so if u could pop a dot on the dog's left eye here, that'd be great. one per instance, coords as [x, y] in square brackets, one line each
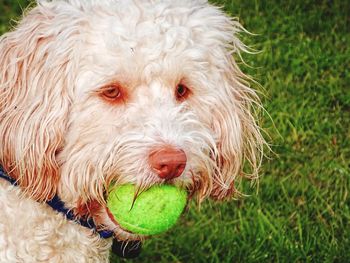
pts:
[182, 92]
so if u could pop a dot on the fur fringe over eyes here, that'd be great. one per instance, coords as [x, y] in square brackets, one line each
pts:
[37, 92]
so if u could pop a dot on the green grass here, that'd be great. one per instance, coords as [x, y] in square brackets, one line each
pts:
[302, 210]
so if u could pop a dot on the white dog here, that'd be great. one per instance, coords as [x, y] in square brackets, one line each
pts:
[95, 92]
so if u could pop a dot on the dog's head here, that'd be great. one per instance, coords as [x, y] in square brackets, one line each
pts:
[141, 92]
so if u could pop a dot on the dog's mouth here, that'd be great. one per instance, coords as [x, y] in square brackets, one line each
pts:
[105, 220]
[133, 216]
[119, 232]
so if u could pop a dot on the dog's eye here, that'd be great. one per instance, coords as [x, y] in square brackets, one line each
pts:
[111, 93]
[182, 92]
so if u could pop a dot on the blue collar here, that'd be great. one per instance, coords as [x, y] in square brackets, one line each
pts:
[57, 205]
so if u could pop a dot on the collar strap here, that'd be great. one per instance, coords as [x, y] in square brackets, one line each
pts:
[57, 205]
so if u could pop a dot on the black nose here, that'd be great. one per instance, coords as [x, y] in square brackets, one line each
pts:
[167, 162]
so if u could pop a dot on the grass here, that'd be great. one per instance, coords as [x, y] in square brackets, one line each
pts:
[301, 212]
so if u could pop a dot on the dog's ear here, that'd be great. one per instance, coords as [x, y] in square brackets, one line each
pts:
[239, 141]
[35, 69]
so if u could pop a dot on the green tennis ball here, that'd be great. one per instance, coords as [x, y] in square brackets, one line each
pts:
[154, 211]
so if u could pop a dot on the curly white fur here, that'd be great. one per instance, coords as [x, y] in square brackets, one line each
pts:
[60, 136]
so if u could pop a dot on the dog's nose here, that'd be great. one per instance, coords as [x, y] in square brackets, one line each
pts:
[168, 162]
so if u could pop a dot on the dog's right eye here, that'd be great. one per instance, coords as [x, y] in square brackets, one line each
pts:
[112, 93]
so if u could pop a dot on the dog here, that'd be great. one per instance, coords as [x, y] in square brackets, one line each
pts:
[95, 93]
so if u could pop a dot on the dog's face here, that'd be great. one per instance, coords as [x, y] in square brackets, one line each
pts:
[141, 92]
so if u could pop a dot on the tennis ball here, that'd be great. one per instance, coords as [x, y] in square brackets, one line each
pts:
[154, 211]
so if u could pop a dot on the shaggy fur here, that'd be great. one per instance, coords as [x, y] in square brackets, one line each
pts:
[88, 89]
